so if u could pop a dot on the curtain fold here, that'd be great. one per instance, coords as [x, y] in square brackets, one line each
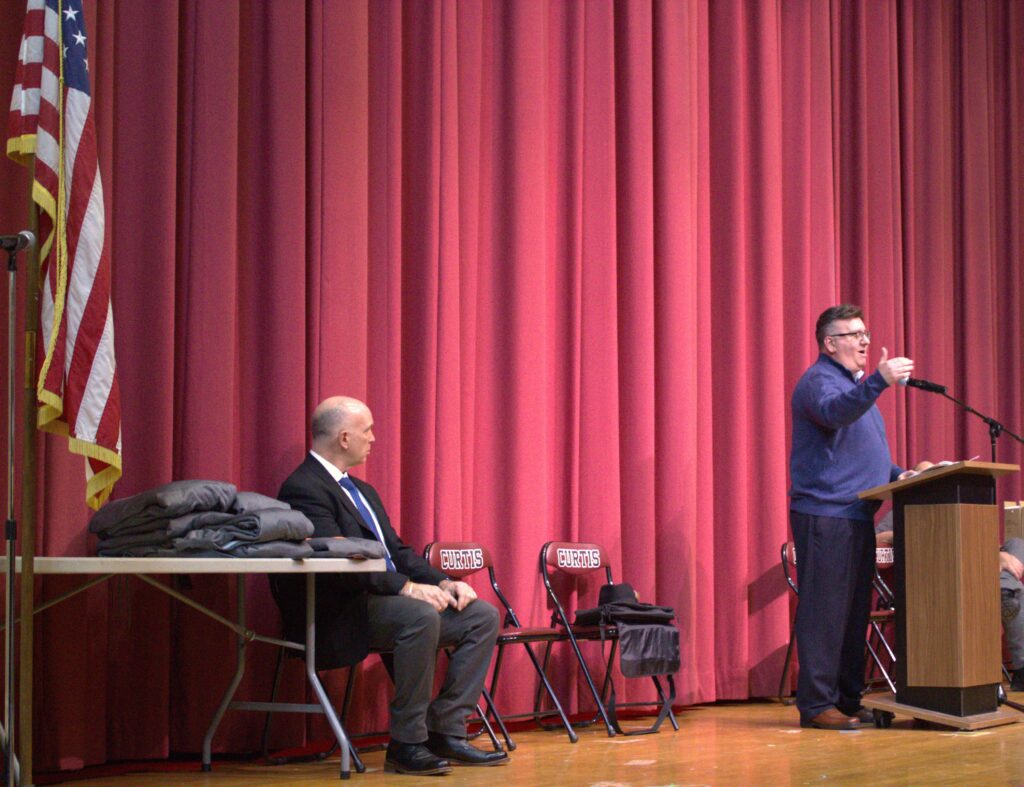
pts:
[571, 255]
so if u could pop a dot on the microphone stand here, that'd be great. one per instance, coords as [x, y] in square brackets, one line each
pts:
[995, 429]
[1002, 699]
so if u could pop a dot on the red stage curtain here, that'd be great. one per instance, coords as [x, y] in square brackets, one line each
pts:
[571, 254]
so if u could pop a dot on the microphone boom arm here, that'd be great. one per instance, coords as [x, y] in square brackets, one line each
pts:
[995, 429]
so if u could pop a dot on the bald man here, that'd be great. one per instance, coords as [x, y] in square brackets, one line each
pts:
[411, 609]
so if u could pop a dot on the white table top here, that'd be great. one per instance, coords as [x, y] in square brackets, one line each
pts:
[196, 565]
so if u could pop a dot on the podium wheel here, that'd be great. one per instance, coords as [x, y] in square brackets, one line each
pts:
[883, 719]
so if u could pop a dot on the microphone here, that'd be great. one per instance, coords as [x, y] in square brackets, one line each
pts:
[924, 385]
[12, 243]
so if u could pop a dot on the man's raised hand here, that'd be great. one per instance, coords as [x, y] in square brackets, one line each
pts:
[894, 369]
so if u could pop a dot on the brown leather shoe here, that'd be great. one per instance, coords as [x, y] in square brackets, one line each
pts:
[831, 719]
[862, 714]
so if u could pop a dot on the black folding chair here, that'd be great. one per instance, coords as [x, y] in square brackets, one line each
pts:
[573, 561]
[788, 565]
[882, 616]
[459, 559]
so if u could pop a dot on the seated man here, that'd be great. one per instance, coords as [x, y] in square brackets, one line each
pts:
[411, 609]
[1011, 572]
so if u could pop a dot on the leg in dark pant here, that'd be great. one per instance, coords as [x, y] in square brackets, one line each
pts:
[470, 635]
[413, 630]
[830, 560]
[410, 628]
[854, 654]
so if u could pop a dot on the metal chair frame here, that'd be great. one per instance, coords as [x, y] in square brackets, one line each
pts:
[606, 706]
[883, 615]
[513, 632]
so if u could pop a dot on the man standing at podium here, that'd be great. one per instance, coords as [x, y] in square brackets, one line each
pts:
[839, 449]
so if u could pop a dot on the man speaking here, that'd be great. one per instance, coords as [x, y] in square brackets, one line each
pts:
[839, 449]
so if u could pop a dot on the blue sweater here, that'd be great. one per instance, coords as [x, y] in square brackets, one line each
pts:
[839, 444]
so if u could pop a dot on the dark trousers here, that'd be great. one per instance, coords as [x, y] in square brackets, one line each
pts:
[414, 630]
[835, 560]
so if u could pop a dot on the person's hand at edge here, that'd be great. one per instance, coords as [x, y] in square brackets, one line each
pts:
[437, 597]
[461, 592]
[1008, 562]
[919, 468]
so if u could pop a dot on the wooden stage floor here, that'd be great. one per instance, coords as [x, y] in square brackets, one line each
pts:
[757, 743]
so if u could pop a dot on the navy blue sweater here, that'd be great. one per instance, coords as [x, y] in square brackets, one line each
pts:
[839, 444]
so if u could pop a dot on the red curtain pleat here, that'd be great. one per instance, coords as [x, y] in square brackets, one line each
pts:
[570, 253]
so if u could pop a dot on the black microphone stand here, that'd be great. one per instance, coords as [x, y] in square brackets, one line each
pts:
[995, 429]
[1002, 699]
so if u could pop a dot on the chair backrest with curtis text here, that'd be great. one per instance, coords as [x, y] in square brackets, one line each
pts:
[575, 559]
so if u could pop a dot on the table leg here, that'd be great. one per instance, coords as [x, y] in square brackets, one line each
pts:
[314, 680]
[233, 686]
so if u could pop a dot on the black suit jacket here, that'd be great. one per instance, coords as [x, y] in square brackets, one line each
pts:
[341, 618]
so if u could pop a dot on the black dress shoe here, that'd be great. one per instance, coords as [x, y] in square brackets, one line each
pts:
[461, 753]
[413, 758]
[1017, 680]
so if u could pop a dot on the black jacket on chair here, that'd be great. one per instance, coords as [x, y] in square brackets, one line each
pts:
[341, 618]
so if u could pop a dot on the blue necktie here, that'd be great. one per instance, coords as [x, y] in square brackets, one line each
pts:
[349, 485]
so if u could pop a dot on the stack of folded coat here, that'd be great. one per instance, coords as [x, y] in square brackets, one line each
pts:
[201, 518]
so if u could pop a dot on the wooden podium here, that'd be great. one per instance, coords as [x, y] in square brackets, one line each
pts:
[948, 639]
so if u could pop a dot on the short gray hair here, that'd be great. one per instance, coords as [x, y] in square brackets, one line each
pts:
[328, 422]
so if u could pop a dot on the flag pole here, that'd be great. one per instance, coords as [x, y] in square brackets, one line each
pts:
[11, 524]
[28, 496]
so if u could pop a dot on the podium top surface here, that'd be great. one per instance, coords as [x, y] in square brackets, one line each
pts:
[970, 466]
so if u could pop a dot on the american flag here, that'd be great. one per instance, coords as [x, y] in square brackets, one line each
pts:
[51, 118]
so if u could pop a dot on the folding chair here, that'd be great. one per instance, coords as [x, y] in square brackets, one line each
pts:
[459, 559]
[574, 560]
[881, 616]
[346, 704]
[788, 564]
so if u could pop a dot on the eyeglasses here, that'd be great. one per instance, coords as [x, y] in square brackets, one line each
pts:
[857, 335]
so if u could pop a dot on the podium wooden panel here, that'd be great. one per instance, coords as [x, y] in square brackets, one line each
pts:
[952, 573]
[946, 572]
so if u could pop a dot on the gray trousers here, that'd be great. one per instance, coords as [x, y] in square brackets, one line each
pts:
[1014, 628]
[414, 630]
